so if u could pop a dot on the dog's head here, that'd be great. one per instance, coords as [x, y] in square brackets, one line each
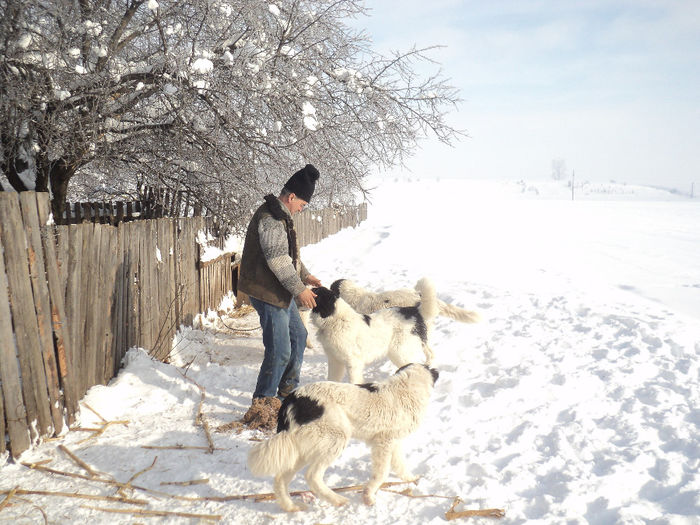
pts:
[416, 366]
[325, 301]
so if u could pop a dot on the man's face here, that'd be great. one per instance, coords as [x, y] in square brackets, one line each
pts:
[295, 204]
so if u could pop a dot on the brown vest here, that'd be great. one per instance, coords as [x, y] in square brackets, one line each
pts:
[256, 279]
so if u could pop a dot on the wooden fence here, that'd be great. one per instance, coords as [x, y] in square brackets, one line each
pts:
[154, 203]
[74, 299]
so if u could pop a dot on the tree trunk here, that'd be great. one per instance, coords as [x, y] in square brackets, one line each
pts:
[59, 175]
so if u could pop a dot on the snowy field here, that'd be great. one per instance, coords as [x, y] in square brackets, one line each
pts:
[575, 401]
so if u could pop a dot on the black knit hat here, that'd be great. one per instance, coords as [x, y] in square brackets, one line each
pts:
[303, 182]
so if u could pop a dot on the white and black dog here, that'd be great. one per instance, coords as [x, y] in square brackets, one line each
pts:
[351, 340]
[316, 422]
[366, 302]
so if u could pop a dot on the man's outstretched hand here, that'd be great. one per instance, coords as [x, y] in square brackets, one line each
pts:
[307, 298]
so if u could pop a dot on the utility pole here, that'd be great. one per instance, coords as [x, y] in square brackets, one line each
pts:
[573, 177]
[692, 187]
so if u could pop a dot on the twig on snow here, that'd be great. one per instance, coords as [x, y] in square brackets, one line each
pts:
[199, 418]
[76, 495]
[79, 461]
[176, 447]
[268, 496]
[186, 483]
[128, 485]
[452, 514]
[6, 501]
[159, 513]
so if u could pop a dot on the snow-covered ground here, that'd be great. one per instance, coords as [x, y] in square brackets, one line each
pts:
[575, 401]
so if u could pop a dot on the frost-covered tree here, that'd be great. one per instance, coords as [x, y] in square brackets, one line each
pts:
[224, 98]
[558, 169]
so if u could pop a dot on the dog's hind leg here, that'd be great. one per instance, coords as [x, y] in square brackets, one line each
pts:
[282, 481]
[332, 444]
[382, 452]
[336, 369]
[398, 466]
[429, 354]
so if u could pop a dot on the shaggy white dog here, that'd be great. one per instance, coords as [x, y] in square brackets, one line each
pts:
[316, 422]
[366, 302]
[351, 340]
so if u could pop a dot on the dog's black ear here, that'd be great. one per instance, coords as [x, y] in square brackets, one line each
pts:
[325, 302]
[434, 373]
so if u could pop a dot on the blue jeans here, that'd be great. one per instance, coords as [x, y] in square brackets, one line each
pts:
[284, 338]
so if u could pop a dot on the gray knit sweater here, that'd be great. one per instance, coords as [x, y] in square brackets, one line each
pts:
[275, 248]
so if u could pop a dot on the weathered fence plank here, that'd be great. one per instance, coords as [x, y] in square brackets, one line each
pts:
[26, 331]
[3, 441]
[188, 273]
[64, 352]
[134, 284]
[42, 306]
[149, 290]
[165, 302]
[72, 237]
[91, 292]
[109, 270]
[14, 411]
[119, 328]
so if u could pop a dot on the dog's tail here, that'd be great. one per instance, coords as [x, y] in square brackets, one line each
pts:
[457, 313]
[428, 306]
[275, 455]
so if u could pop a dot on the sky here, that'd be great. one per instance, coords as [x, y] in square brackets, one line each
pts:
[612, 87]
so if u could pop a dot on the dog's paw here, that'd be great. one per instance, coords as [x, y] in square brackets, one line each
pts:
[340, 501]
[294, 507]
[401, 472]
[368, 497]
[408, 477]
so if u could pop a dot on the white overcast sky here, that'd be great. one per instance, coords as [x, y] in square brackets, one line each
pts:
[610, 86]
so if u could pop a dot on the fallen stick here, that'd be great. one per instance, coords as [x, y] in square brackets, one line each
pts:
[267, 496]
[452, 514]
[78, 461]
[128, 485]
[111, 482]
[36, 466]
[42, 462]
[95, 412]
[408, 492]
[37, 507]
[102, 428]
[76, 495]
[96, 432]
[186, 483]
[159, 513]
[43, 514]
[199, 418]
[176, 447]
[6, 501]
[205, 425]
[255, 497]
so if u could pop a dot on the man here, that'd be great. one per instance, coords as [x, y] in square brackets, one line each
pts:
[273, 275]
